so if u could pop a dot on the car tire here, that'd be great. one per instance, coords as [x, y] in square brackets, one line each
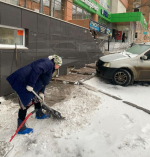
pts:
[122, 77]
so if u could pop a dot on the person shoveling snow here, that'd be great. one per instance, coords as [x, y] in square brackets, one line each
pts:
[30, 78]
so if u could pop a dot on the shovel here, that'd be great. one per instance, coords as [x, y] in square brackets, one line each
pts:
[55, 114]
[6, 147]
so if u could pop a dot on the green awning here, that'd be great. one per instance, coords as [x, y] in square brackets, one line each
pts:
[129, 17]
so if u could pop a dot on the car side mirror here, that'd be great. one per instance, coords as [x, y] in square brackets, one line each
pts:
[143, 57]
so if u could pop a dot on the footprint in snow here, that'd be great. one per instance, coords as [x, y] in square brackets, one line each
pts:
[133, 142]
[129, 122]
[106, 136]
[127, 118]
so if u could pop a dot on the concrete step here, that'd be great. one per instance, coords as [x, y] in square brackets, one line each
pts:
[84, 71]
[72, 78]
[92, 65]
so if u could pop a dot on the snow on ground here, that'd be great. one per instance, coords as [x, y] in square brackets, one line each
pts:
[96, 126]
[2, 99]
[135, 93]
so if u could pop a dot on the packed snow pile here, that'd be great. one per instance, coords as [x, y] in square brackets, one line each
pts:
[79, 108]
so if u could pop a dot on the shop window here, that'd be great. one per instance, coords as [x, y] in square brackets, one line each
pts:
[79, 13]
[9, 36]
[59, 9]
[136, 7]
[136, 35]
[136, 10]
[74, 12]
[90, 16]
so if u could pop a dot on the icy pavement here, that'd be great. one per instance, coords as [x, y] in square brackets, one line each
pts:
[138, 93]
[96, 126]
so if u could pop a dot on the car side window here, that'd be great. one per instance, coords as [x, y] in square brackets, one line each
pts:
[148, 55]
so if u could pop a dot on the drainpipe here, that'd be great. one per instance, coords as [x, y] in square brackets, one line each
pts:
[41, 6]
[51, 4]
[108, 42]
[25, 3]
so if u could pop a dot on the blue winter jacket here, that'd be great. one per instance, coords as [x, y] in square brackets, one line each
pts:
[37, 75]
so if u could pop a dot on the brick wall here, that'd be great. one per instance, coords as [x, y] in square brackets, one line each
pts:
[144, 9]
[81, 22]
[146, 12]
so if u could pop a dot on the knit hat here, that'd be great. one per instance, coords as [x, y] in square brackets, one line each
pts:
[57, 59]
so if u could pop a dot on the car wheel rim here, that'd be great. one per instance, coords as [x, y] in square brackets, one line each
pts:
[120, 78]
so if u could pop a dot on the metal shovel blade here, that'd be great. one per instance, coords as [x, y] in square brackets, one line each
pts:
[50, 111]
[5, 148]
[53, 112]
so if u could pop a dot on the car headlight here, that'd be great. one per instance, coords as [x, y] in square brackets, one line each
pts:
[106, 65]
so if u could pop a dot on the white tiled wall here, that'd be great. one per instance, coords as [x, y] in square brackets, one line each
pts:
[121, 8]
[117, 7]
[114, 6]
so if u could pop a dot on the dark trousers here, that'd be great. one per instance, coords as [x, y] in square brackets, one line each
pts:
[23, 111]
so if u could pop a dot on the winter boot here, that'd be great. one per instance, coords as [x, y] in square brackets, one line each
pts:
[24, 129]
[41, 115]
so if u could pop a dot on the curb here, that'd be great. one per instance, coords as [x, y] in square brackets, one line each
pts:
[117, 98]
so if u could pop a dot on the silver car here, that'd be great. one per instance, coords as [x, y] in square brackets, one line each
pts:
[126, 67]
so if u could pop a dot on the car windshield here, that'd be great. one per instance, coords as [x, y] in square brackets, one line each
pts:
[138, 49]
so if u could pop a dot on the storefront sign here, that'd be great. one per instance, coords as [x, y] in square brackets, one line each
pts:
[90, 4]
[20, 32]
[94, 26]
[99, 28]
[105, 4]
[102, 29]
[145, 33]
[109, 32]
[105, 13]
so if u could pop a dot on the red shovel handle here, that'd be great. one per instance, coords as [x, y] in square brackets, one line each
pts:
[22, 124]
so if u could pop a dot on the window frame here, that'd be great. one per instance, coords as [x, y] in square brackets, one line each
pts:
[5, 46]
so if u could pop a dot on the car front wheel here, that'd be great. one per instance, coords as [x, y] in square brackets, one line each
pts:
[122, 77]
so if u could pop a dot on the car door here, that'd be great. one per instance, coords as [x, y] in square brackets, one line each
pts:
[144, 68]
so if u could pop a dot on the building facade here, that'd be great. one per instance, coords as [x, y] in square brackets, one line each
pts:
[81, 12]
[142, 6]
[33, 29]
